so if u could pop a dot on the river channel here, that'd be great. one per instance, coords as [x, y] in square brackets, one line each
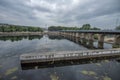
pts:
[11, 47]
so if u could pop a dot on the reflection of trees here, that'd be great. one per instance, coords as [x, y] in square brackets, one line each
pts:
[34, 37]
[55, 37]
[18, 38]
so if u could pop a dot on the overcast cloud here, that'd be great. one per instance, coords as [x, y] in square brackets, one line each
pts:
[98, 13]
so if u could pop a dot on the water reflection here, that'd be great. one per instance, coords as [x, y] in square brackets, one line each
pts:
[19, 38]
[53, 64]
[90, 44]
[55, 37]
[84, 42]
[10, 52]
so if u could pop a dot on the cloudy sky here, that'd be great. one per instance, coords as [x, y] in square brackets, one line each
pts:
[99, 13]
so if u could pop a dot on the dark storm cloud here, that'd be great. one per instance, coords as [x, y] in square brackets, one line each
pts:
[92, 10]
[61, 12]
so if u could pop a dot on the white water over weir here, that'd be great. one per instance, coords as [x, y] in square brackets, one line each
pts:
[68, 55]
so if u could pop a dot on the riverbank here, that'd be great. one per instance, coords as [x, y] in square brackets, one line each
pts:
[19, 33]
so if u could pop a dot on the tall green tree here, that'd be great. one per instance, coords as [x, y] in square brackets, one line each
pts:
[86, 27]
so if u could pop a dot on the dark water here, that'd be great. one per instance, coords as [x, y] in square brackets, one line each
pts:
[12, 47]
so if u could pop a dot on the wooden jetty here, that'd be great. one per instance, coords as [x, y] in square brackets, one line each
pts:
[52, 57]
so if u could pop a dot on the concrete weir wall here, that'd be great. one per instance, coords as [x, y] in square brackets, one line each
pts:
[54, 58]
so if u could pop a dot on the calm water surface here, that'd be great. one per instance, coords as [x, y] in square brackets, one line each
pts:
[12, 47]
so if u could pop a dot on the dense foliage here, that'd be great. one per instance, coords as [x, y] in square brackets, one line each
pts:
[57, 28]
[84, 27]
[17, 28]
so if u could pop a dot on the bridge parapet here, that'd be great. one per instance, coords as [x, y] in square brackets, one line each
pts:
[116, 32]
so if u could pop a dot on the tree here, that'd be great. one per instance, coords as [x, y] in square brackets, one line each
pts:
[57, 28]
[94, 28]
[17, 28]
[86, 27]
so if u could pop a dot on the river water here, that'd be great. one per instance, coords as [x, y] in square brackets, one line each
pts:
[12, 47]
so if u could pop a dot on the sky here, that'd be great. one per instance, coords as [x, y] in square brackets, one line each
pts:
[104, 14]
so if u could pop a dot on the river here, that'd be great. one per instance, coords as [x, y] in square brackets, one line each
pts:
[12, 47]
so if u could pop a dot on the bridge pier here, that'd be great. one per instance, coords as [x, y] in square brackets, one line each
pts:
[90, 44]
[83, 35]
[67, 35]
[90, 40]
[91, 36]
[84, 39]
[116, 41]
[63, 34]
[73, 36]
[70, 35]
[77, 37]
[80, 38]
[87, 37]
[101, 41]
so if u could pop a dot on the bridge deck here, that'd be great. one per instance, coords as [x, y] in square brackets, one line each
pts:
[68, 55]
[94, 31]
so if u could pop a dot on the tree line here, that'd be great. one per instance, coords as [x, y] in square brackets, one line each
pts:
[84, 27]
[18, 28]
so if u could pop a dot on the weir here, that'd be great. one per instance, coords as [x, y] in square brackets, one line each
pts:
[63, 56]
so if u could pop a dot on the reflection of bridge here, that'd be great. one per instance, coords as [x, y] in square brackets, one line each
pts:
[85, 36]
[51, 57]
